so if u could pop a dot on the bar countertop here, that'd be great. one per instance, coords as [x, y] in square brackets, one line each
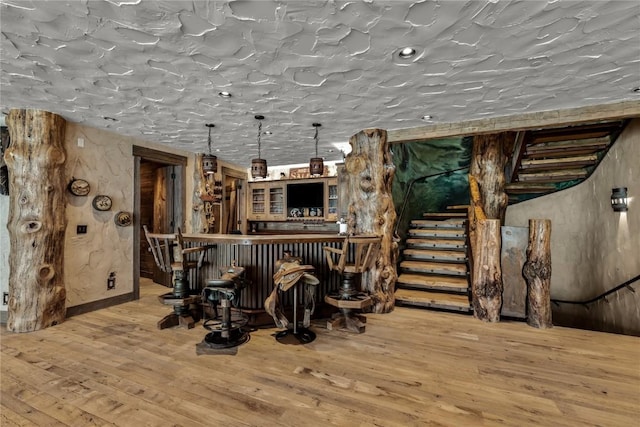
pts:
[263, 239]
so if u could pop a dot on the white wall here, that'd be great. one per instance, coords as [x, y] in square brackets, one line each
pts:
[593, 248]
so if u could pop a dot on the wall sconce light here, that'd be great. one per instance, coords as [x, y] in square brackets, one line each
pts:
[259, 165]
[316, 164]
[209, 161]
[619, 199]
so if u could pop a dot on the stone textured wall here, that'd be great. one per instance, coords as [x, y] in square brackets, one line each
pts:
[593, 248]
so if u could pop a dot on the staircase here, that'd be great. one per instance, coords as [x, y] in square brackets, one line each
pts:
[433, 273]
[548, 160]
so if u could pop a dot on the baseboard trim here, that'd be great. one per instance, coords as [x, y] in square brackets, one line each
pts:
[97, 305]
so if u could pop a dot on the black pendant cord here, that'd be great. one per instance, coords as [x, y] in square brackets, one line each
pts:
[316, 138]
[259, 134]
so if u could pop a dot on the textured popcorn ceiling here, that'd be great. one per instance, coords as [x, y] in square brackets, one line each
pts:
[153, 69]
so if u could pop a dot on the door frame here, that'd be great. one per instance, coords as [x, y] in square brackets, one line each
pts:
[169, 159]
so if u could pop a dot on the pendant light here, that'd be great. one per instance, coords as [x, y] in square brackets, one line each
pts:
[316, 164]
[259, 165]
[209, 161]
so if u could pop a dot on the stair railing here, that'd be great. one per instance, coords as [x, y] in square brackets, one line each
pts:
[407, 192]
[603, 295]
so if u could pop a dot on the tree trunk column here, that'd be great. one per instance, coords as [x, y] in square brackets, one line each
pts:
[370, 170]
[37, 220]
[537, 272]
[487, 275]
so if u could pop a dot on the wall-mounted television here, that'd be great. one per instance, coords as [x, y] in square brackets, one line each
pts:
[305, 199]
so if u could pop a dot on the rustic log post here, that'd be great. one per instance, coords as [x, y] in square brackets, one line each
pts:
[370, 170]
[37, 220]
[537, 272]
[487, 276]
[488, 162]
[198, 217]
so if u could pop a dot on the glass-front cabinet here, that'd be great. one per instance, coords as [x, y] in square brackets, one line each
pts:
[266, 201]
[257, 201]
[332, 199]
[276, 201]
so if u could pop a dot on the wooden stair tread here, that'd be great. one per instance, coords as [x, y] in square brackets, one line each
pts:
[555, 176]
[458, 208]
[440, 232]
[528, 187]
[433, 299]
[435, 267]
[445, 223]
[557, 163]
[569, 143]
[437, 243]
[444, 215]
[458, 283]
[435, 254]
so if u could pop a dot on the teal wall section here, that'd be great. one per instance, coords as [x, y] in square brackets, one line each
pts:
[416, 160]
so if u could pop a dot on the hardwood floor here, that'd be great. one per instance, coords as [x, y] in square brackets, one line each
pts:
[410, 368]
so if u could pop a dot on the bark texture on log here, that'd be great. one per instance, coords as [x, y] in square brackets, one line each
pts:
[37, 220]
[370, 170]
[488, 162]
[198, 217]
[487, 276]
[537, 272]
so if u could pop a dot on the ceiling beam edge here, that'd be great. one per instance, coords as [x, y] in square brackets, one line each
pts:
[519, 122]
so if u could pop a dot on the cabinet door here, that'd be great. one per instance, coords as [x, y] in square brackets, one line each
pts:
[276, 201]
[331, 203]
[257, 201]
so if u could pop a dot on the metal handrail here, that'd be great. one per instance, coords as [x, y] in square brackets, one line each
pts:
[601, 296]
[408, 190]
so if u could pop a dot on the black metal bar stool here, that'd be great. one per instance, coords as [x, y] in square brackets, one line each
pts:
[226, 329]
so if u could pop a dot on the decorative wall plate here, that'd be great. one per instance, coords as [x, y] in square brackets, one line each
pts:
[79, 187]
[102, 202]
[123, 219]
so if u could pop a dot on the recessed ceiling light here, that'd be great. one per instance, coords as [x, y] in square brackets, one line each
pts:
[406, 52]
[636, 89]
[110, 118]
[225, 94]
[427, 117]
[268, 132]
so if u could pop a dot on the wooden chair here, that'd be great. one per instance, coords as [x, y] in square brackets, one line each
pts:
[171, 256]
[351, 260]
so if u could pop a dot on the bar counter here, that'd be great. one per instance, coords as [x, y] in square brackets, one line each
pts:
[258, 254]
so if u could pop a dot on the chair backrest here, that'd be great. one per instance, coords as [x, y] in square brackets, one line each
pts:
[365, 250]
[162, 247]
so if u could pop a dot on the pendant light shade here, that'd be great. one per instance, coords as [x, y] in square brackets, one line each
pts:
[209, 161]
[316, 164]
[259, 165]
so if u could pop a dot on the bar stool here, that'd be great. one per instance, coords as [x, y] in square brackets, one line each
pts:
[349, 297]
[292, 274]
[171, 256]
[226, 329]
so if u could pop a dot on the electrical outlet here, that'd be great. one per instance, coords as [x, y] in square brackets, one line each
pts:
[81, 229]
[111, 281]
[5, 298]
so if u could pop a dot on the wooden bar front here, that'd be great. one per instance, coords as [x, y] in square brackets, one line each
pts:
[258, 255]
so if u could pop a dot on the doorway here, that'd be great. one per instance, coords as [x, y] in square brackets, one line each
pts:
[159, 204]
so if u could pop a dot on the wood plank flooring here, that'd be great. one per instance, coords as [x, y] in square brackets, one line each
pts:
[410, 368]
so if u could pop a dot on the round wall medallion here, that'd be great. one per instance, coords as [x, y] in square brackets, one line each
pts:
[102, 202]
[79, 187]
[123, 219]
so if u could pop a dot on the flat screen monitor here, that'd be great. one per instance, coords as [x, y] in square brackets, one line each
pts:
[305, 197]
